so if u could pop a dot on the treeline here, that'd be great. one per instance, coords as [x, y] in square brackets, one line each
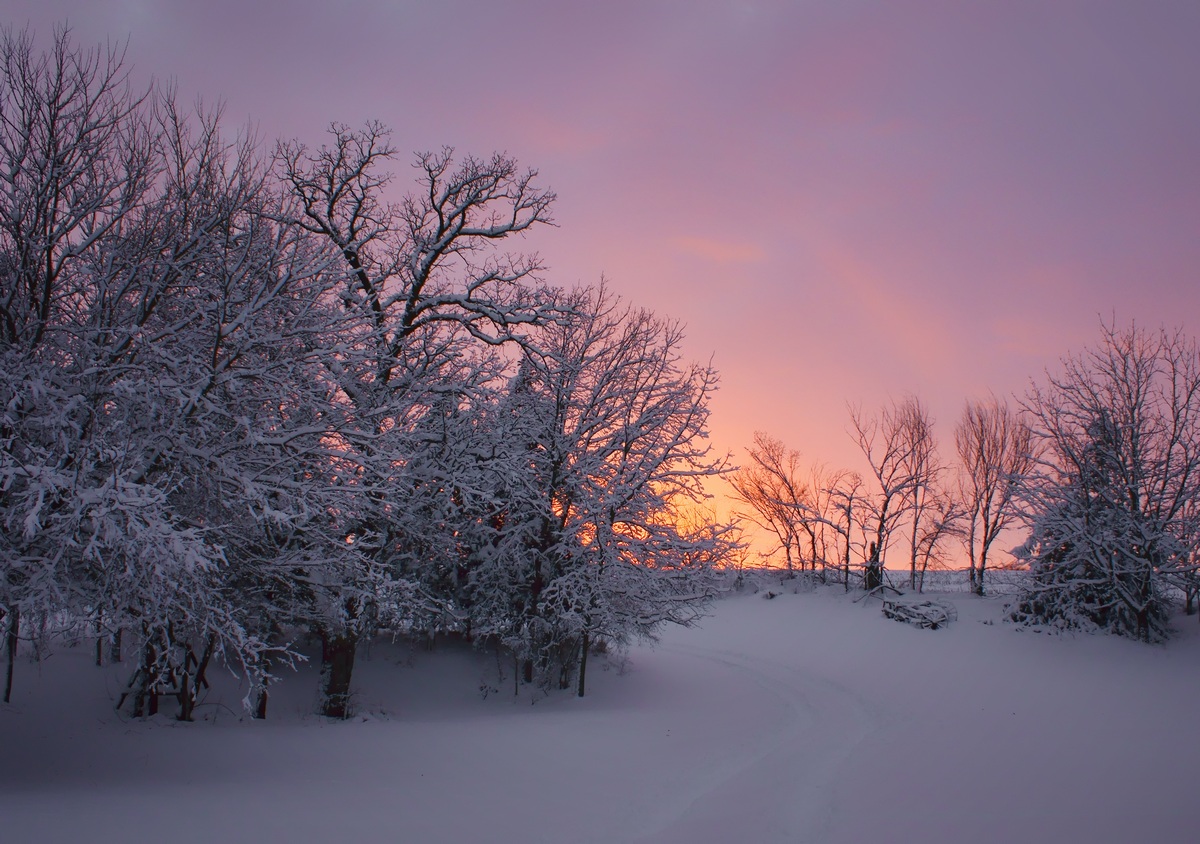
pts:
[246, 398]
[1099, 466]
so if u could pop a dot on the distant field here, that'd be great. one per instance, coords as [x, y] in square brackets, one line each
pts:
[997, 581]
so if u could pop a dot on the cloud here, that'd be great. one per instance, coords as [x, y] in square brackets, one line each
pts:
[720, 251]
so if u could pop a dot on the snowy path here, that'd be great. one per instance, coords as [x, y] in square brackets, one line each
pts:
[806, 718]
[780, 787]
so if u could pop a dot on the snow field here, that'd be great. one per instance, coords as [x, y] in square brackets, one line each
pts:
[804, 718]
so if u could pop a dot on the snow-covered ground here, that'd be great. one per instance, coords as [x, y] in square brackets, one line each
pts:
[803, 718]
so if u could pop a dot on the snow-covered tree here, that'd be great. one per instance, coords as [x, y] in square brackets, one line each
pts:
[242, 398]
[164, 435]
[1111, 500]
[606, 431]
[425, 285]
[75, 161]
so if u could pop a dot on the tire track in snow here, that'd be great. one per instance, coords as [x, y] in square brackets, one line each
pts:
[781, 787]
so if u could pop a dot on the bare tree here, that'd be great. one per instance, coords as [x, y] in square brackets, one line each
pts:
[943, 522]
[823, 519]
[77, 160]
[995, 449]
[886, 443]
[773, 497]
[925, 470]
[843, 495]
[805, 513]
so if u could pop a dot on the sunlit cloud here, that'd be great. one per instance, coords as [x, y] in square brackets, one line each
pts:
[548, 133]
[888, 308]
[720, 251]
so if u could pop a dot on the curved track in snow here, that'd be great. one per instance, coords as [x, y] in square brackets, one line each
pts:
[806, 718]
[777, 788]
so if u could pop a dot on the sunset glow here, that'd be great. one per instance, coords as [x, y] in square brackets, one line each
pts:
[627, 422]
[844, 202]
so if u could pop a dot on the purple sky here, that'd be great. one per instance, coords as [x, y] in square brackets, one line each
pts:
[844, 201]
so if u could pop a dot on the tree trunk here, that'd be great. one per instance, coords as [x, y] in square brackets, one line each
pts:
[583, 655]
[567, 660]
[100, 637]
[260, 706]
[874, 578]
[846, 563]
[337, 666]
[189, 687]
[874, 573]
[912, 562]
[187, 702]
[145, 702]
[977, 579]
[10, 648]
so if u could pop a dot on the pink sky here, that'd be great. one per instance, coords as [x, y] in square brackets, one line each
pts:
[844, 201]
